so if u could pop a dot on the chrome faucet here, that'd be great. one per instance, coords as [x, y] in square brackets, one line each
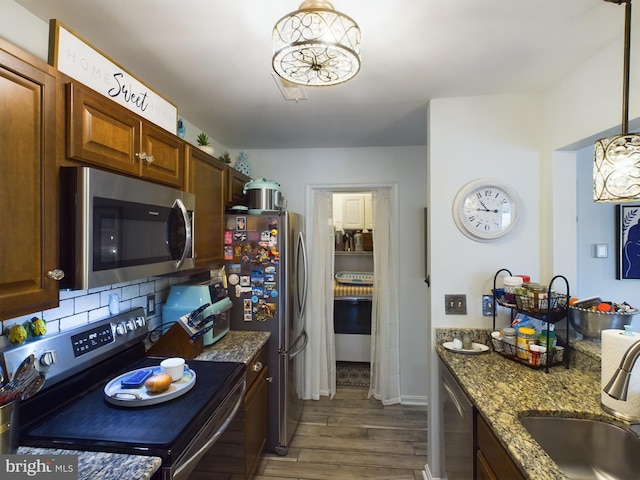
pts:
[619, 383]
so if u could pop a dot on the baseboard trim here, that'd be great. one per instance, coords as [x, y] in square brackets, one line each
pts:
[426, 474]
[414, 400]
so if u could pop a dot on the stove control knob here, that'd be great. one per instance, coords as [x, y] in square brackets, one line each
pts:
[140, 321]
[121, 328]
[48, 358]
[131, 325]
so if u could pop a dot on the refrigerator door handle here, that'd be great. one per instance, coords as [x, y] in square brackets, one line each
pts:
[305, 339]
[302, 255]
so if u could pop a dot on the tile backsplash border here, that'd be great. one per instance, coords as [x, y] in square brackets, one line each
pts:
[83, 307]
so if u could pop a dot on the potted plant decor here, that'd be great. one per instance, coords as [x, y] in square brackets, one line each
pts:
[203, 143]
[225, 157]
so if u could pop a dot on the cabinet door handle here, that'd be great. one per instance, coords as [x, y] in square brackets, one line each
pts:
[144, 156]
[257, 367]
[56, 274]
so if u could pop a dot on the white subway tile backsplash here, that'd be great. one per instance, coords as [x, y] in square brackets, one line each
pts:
[130, 292]
[86, 303]
[80, 307]
[98, 314]
[99, 289]
[65, 294]
[65, 309]
[147, 288]
[74, 321]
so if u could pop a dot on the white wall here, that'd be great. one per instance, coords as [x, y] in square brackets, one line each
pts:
[23, 29]
[597, 225]
[406, 166]
[469, 138]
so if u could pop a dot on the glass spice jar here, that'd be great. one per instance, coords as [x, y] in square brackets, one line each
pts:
[526, 336]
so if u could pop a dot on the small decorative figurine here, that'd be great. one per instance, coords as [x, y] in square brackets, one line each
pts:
[242, 165]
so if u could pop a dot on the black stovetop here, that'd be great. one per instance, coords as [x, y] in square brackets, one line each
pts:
[89, 422]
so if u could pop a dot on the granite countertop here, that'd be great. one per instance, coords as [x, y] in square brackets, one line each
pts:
[102, 465]
[235, 346]
[504, 390]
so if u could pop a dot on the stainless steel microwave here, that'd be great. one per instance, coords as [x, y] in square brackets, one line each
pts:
[116, 228]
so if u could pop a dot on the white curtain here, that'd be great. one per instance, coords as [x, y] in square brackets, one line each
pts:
[385, 331]
[320, 358]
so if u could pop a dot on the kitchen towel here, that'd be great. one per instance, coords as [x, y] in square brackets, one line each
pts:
[614, 345]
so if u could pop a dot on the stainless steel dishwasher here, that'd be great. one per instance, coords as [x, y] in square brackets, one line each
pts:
[457, 425]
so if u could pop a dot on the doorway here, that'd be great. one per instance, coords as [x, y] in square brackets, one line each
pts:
[353, 272]
[322, 239]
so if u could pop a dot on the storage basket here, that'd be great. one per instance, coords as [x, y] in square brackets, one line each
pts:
[523, 356]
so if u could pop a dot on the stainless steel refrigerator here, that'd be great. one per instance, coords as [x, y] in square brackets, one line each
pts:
[266, 266]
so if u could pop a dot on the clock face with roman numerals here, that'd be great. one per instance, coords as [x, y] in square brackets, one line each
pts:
[485, 209]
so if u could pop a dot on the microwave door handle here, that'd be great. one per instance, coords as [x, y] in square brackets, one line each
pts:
[187, 230]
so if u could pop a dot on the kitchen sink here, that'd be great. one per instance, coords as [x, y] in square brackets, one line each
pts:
[587, 449]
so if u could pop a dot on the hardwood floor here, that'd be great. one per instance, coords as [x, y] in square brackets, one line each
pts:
[353, 438]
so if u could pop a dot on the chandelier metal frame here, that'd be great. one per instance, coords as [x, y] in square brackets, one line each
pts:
[316, 45]
[616, 167]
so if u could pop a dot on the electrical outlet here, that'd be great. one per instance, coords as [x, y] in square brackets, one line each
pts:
[487, 305]
[151, 304]
[455, 304]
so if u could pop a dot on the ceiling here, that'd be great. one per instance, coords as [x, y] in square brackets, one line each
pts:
[212, 58]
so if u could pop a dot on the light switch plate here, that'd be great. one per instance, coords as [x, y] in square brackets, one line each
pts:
[455, 304]
[487, 305]
[601, 250]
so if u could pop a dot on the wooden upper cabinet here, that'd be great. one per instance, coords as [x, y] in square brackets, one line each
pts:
[164, 156]
[29, 214]
[104, 133]
[206, 177]
[237, 181]
[101, 132]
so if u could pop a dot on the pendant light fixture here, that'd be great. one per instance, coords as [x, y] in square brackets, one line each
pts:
[316, 45]
[616, 168]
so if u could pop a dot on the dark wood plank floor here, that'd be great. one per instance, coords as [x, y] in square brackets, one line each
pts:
[353, 438]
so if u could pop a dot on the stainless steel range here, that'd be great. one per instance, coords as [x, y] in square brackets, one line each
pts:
[72, 412]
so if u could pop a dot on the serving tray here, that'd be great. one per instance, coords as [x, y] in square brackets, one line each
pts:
[138, 397]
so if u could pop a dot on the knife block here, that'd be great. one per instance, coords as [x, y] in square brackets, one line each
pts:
[176, 343]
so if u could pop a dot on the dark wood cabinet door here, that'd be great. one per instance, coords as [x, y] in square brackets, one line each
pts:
[101, 132]
[255, 421]
[29, 214]
[237, 181]
[495, 460]
[163, 156]
[206, 178]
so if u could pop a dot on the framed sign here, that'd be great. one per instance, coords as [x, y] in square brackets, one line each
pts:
[86, 64]
[628, 223]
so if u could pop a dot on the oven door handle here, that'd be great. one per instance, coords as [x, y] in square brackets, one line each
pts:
[215, 436]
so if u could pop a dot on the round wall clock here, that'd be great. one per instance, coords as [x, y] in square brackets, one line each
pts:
[485, 209]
